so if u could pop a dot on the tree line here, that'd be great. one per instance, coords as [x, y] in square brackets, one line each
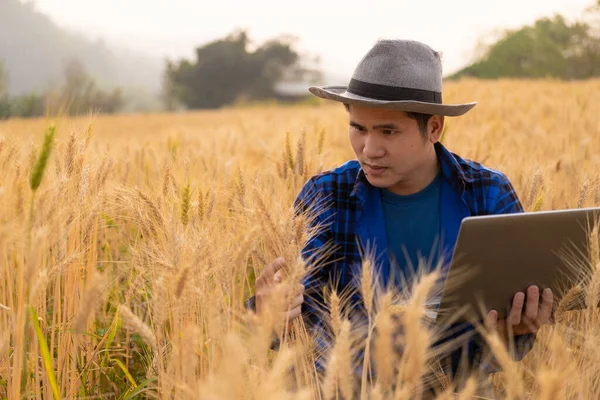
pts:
[234, 69]
[223, 72]
[77, 95]
[550, 47]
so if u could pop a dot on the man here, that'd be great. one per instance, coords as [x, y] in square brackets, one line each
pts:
[405, 195]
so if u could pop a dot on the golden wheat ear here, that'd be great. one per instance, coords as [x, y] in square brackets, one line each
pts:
[339, 380]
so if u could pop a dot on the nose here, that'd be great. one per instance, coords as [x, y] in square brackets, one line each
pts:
[373, 148]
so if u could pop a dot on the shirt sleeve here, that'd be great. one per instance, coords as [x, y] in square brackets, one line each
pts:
[312, 202]
[506, 201]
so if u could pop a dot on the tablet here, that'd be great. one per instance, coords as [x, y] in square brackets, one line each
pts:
[496, 256]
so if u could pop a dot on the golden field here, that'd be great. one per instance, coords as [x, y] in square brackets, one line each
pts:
[124, 274]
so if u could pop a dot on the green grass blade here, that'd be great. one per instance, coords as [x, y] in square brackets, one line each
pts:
[112, 333]
[132, 392]
[45, 353]
[125, 371]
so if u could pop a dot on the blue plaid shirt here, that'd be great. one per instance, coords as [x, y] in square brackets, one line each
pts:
[350, 210]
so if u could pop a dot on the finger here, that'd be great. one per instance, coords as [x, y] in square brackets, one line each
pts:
[297, 301]
[277, 277]
[292, 289]
[546, 306]
[526, 326]
[514, 317]
[268, 273]
[491, 321]
[532, 326]
[533, 301]
[283, 294]
[294, 313]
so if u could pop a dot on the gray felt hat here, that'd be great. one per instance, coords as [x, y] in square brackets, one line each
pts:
[403, 75]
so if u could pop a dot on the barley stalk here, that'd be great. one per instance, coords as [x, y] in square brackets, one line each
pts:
[284, 167]
[166, 180]
[90, 299]
[538, 202]
[40, 166]
[597, 190]
[583, 194]
[137, 325]
[83, 185]
[567, 301]
[535, 185]
[186, 196]
[117, 212]
[469, 390]
[338, 378]
[241, 187]
[19, 189]
[289, 157]
[300, 154]
[550, 384]
[181, 281]
[321, 141]
[367, 285]
[32, 157]
[70, 156]
[385, 359]
[515, 387]
[417, 338]
[335, 312]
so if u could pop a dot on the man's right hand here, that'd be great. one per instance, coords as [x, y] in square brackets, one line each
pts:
[270, 290]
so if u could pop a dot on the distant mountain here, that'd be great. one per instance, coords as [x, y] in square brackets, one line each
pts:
[34, 51]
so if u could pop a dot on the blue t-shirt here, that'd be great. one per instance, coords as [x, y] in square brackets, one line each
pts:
[413, 229]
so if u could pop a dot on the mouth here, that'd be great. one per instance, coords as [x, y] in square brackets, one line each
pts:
[375, 166]
[374, 169]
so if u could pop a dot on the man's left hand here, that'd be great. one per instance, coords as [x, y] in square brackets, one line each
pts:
[524, 317]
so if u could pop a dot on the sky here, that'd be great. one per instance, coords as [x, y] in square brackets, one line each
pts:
[340, 32]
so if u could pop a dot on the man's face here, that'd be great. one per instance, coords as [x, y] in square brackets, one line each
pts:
[389, 145]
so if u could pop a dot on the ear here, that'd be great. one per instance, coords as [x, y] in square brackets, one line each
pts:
[435, 127]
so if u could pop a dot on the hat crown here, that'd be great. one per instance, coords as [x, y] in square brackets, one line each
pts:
[403, 75]
[401, 63]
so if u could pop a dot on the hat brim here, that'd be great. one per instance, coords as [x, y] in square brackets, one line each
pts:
[339, 93]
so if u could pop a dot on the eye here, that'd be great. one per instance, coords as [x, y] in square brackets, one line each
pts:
[388, 131]
[357, 128]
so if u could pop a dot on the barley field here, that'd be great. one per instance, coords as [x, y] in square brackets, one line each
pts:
[128, 245]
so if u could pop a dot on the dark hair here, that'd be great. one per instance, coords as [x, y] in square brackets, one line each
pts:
[422, 119]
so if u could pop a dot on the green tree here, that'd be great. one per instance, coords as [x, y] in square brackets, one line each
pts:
[78, 93]
[225, 70]
[82, 95]
[550, 47]
[3, 88]
[4, 100]
[27, 106]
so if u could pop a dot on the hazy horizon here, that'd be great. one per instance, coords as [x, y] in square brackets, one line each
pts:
[339, 32]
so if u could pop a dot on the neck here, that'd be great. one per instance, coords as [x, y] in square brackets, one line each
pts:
[420, 178]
